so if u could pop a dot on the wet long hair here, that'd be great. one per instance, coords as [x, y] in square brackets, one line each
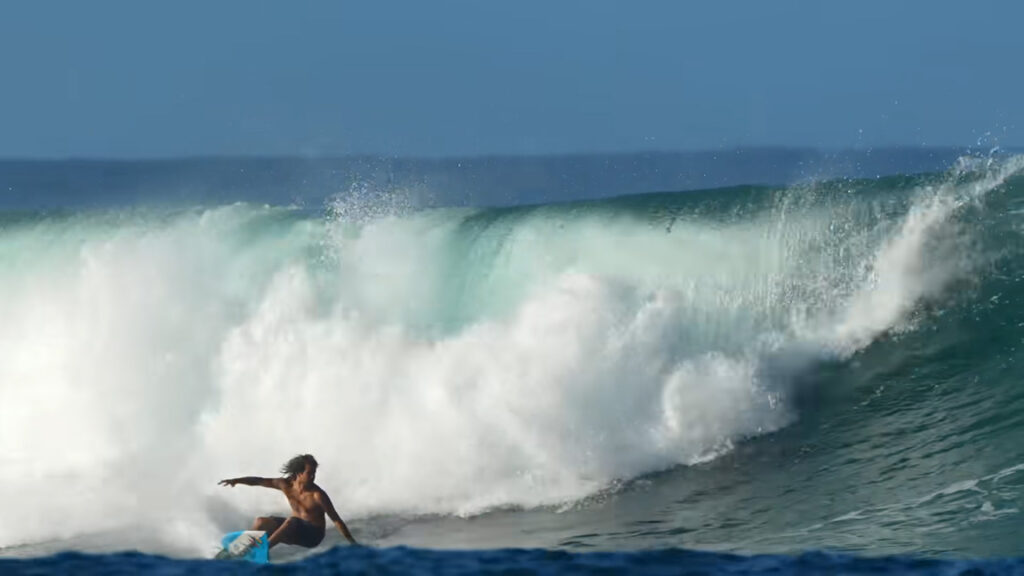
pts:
[296, 465]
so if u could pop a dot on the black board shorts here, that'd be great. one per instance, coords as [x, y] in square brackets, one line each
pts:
[305, 534]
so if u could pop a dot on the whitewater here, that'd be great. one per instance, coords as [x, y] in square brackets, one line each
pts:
[750, 369]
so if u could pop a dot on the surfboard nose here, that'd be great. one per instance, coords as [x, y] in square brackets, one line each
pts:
[251, 545]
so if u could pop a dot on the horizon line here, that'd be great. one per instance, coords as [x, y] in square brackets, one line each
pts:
[510, 155]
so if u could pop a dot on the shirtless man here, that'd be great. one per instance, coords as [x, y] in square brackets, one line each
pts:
[308, 501]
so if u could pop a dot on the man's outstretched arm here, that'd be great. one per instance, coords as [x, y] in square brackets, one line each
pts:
[325, 500]
[253, 481]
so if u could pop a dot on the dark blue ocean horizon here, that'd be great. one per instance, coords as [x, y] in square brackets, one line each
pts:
[71, 184]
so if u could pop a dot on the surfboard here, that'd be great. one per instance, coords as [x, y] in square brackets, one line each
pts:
[251, 545]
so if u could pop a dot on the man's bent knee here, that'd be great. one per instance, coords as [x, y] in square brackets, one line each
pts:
[267, 523]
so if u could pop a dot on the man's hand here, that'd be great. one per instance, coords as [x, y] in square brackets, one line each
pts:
[325, 501]
[340, 525]
[229, 482]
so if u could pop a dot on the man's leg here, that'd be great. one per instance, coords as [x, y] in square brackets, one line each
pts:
[294, 531]
[268, 524]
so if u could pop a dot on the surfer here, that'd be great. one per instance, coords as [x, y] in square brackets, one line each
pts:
[309, 503]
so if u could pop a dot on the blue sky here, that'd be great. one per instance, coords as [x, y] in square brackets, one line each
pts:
[457, 77]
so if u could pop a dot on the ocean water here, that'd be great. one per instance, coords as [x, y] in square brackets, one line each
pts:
[823, 376]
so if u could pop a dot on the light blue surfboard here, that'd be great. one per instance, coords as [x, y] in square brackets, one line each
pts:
[248, 545]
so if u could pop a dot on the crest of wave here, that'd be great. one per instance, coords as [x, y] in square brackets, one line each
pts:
[918, 262]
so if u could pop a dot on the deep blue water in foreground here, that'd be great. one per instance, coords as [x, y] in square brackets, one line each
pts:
[419, 561]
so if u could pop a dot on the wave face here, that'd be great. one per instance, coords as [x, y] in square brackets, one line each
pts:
[458, 361]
